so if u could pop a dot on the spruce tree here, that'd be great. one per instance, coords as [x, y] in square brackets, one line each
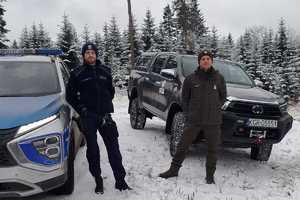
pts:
[67, 37]
[24, 39]
[86, 35]
[148, 31]
[3, 30]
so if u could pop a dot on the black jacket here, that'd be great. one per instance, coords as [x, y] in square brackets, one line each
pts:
[90, 88]
[203, 95]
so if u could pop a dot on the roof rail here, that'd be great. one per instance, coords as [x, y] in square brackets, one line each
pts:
[23, 52]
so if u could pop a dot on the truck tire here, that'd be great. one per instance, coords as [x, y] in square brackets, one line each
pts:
[68, 187]
[176, 132]
[137, 115]
[261, 152]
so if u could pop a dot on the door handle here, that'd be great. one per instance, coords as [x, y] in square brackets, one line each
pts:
[157, 82]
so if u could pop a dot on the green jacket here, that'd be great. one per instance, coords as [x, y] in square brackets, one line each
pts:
[203, 95]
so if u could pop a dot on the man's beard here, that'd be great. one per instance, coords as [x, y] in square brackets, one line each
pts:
[90, 61]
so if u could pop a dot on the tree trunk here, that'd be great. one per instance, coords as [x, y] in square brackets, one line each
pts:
[131, 57]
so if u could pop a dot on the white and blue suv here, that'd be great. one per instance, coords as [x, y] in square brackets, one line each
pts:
[38, 137]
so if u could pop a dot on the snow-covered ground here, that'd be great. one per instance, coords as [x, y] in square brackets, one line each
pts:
[146, 154]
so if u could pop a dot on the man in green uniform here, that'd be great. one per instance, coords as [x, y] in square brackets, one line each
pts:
[203, 94]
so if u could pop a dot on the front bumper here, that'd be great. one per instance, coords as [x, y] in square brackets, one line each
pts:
[22, 182]
[27, 176]
[232, 136]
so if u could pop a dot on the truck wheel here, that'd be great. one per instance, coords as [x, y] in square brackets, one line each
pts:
[261, 152]
[68, 187]
[176, 131]
[137, 115]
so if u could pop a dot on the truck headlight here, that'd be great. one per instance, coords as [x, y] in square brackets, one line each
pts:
[225, 105]
[44, 150]
[283, 107]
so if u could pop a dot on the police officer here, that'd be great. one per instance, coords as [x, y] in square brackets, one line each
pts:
[90, 92]
[203, 94]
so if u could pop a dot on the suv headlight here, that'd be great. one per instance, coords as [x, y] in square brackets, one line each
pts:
[42, 145]
[45, 150]
[35, 125]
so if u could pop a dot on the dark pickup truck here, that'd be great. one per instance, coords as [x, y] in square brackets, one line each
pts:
[252, 117]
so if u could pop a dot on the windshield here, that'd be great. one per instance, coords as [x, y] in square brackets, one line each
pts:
[28, 79]
[231, 72]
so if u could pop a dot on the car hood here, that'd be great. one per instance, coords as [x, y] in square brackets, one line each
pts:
[18, 111]
[250, 93]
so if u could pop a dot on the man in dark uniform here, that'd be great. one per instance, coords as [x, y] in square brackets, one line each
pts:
[203, 94]
[90, 92]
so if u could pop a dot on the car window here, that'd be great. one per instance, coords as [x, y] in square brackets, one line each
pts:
[231, 72]
[65, 73]
[159, 63]
[28, 79]
[143, 62]
[171, 63]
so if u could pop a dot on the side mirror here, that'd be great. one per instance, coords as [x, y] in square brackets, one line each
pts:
[169, 73]
[258, 83]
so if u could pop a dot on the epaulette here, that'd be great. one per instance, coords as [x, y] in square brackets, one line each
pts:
[105, 68]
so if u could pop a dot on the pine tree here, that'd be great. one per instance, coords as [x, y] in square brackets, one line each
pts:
[182, 20]
[14, 45]
[214, 42]
[114, 38]
[282, 57]
[67, 38]
[99, 44]
[197, 19]
[43, 37]
[107, 57]
[190, 22]
[124, 59]
[34, 37]
[24, 39]
[86, 35]
[167, 31]
[3, 30]
[226, 47]
[267, 49]
[148, 31]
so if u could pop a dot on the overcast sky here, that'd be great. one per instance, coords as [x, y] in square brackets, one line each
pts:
[227, 15]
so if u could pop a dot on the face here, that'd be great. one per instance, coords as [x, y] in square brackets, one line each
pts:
[205, 62]
[90, 57]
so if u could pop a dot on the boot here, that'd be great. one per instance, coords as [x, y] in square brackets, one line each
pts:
[210, 180]
[172, 172]
[210, 171]
[99, 185]
[122, 185]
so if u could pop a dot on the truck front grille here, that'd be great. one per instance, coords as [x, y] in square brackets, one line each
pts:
[243, 108]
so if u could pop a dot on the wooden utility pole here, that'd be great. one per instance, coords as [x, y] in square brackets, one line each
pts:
[131, 57]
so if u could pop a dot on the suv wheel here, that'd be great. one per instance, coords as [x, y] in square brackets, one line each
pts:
[137, 115]
[261, 152]
[176, 131]
[68, 187]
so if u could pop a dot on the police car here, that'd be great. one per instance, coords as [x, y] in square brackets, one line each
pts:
[39, 137]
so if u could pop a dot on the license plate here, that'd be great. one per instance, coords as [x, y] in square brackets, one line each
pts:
[264, 123]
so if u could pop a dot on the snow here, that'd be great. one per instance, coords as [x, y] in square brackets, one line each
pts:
[146, 154]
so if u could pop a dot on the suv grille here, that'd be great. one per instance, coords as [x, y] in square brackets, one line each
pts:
[248, 109]
[6, 135]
